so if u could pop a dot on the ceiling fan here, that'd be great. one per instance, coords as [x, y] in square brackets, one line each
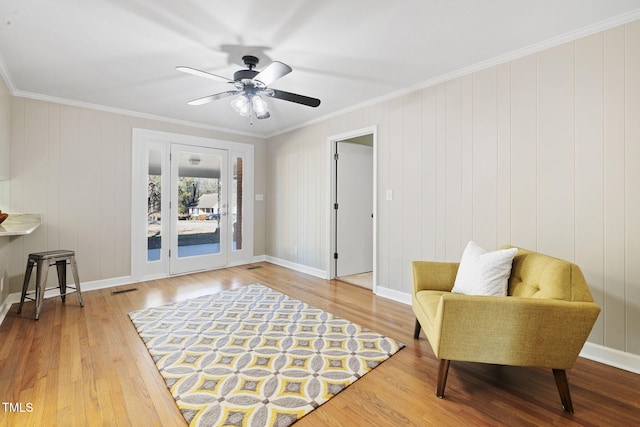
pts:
[250, 86]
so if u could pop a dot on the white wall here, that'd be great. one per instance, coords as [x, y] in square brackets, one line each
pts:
[73, 165]
[541, 152]
[5, 169]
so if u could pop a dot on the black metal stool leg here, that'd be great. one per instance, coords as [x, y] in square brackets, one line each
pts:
[25, 283]
[61, 266]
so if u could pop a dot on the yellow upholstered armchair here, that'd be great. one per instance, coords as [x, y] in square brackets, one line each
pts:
[543, 321]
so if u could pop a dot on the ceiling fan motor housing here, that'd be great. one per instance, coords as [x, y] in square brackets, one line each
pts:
[244, 75]
[251, 62]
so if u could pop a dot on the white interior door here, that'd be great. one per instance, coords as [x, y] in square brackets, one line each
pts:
[199, 209]
[354, 213]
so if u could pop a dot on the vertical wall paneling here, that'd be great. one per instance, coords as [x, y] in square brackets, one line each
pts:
[503, 174]
[108, 193]
[611, 297]
[121, 177]
[5, 175]
[428, 175]
[556, 151]
[53, 177]
[453, 171]
[69, 178]
[16, 261]
[396, 173]
[440, 173]
[632, 169]
[589, 168]
[485, 158]
[524, 135]
[308, 253]
[383, 223]
[17, 152]
[411, 189]
[467, 129]
[296, 229]
[34, 171]
[89, 249]
[5, 149]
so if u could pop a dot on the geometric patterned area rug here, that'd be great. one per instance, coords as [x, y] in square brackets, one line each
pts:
[253, 356]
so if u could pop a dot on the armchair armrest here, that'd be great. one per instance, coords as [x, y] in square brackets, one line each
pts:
[435, 276]
[513, 331]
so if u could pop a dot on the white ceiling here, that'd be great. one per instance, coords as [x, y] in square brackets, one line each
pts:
[121, 54]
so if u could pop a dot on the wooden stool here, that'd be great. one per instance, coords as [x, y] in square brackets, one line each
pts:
[44, 260]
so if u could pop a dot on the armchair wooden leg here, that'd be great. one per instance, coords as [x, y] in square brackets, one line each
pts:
[563, 388]
[443, 370]
[416, 330]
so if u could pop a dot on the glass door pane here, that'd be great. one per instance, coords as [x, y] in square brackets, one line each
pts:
[236, 203]
[154, 206]
[199, 208]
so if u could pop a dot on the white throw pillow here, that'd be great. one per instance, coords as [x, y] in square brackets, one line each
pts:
[482, 272]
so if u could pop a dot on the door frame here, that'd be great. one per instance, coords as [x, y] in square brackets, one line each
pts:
[331, 220]
[142, 140]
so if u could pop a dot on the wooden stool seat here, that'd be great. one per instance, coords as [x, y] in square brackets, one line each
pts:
[42, 261]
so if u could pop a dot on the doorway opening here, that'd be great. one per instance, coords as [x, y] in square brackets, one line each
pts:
[353, 208]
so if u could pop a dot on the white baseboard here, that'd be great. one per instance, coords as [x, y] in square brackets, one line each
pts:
[6, 305]
[297, 267]
[612, 357]
[394, 295]
[259, 258]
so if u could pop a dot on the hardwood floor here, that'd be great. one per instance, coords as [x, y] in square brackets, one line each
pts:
[88, 367]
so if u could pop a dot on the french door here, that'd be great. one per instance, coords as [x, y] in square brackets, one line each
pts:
[198, 209]
[192, 204]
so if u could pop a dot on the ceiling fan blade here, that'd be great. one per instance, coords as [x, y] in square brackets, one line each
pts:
[293, 97]
[273, 72]
[207, 99]
[204, 74]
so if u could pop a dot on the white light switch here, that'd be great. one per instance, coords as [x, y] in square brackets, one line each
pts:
[259, 197]
[389, 195]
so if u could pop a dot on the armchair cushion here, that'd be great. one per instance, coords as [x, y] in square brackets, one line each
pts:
[482, 272]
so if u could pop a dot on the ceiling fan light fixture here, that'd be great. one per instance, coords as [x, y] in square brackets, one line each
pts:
[241, 105]
[260, 107]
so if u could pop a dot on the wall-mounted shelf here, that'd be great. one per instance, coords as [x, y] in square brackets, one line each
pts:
[20, 224]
